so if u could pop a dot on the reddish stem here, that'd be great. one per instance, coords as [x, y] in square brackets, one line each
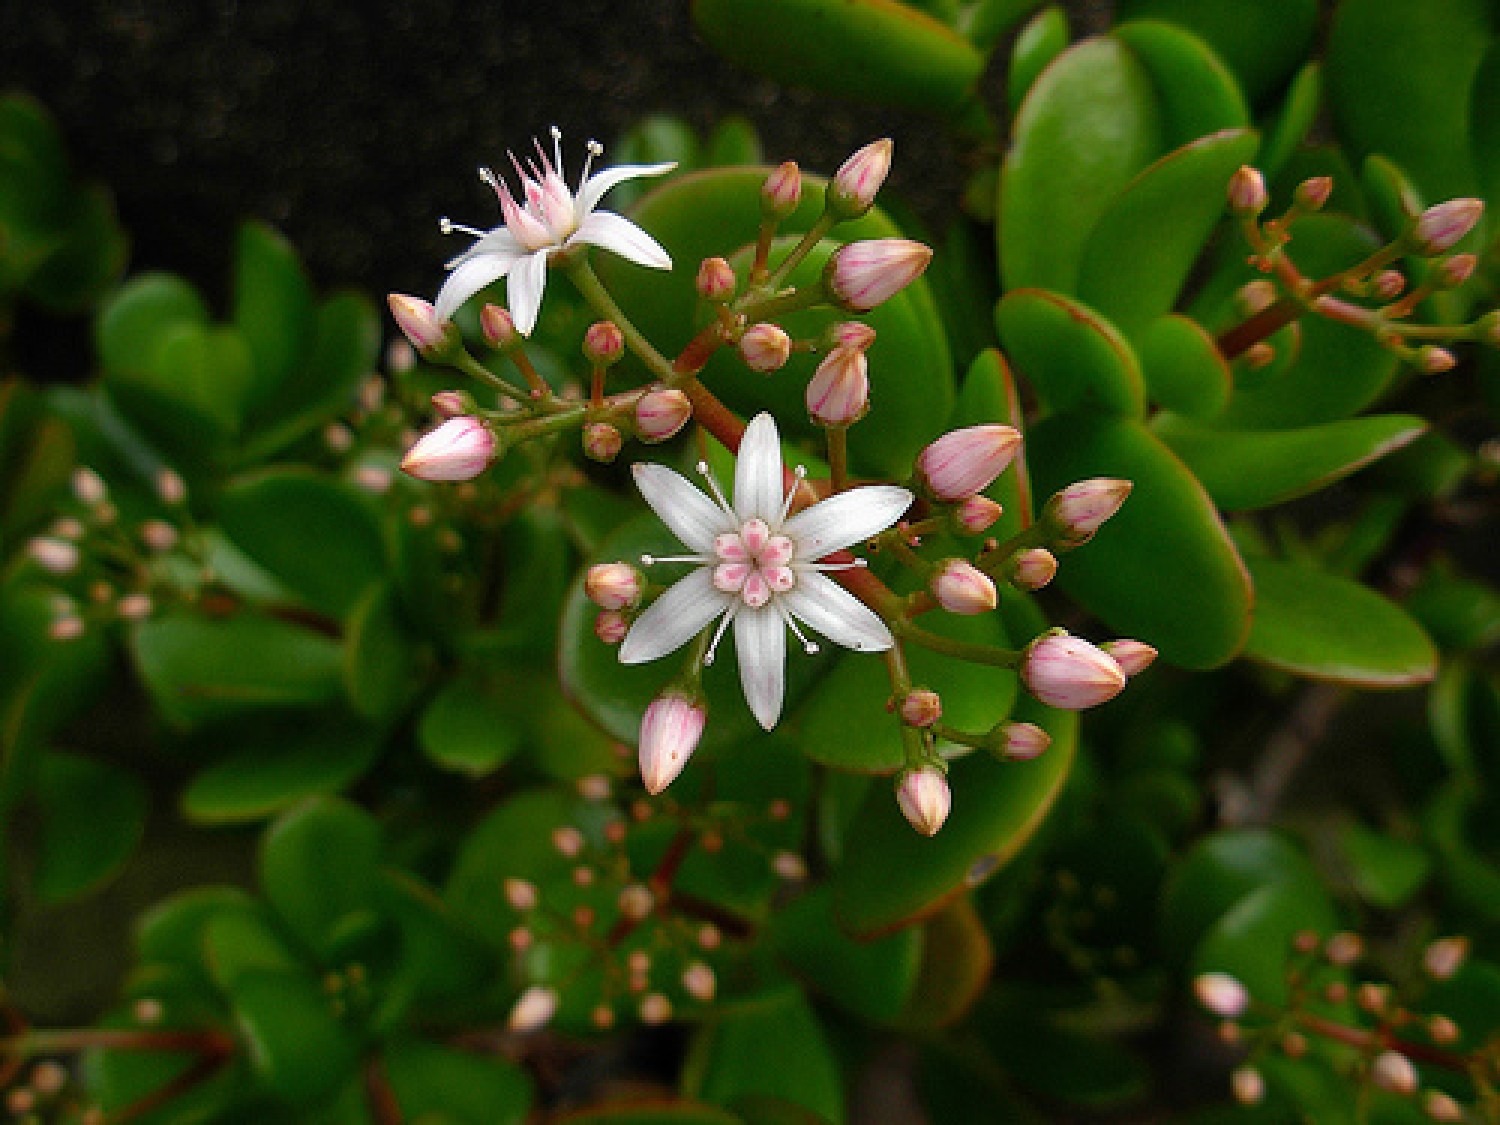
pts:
[1363, 1040]
[382, 1099]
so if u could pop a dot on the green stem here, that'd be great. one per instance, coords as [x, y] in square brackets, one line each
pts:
[996, 557]
[473, 368]
[971, 651]
[813, 236]
[588, 284]
[913, 745]
[962, 737]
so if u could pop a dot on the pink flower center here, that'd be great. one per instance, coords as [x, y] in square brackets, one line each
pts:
[753, 563]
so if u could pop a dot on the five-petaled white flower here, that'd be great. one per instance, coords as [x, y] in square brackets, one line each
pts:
[758, 568]
[549, 218]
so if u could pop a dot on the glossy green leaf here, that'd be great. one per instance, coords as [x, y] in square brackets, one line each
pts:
[1043, 38]
[1261, 41]
[1386, 870]
[1140, 252]
[92, 817]
[769, 1046]
[1294, 122]
[132, 325]
[1191, 601]
[273, 305]
[467, 1089]
[872, 979]
[1458, 613]
[1484, 122]
[282, 517]
[958, 957]
[318, 865]
[1069, 354]
[467, 728]
[648, 1111]
[1183, 367]
[90, 257]
[1418, 115]
[440, 959]
[1061, 1062]
[1247, 469]
[1089, 123]
[1197, 93]
[382, 669]
[296, 1046]
[1252, 940]
[119, 1079]
[237, 943]
[170, 933]
[734, 140]
[198, 668]
[891, 54]
[1318, 625]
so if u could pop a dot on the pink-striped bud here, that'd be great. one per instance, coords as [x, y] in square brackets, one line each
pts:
[459, 449]
[603, 343]
[1393, 1072]
[765, 347]
[1456, 270]
[89, 487]
[1033, 568]
[921, 707]
[1133, 657]
[859, 179]
[451, 404]
[1221, 994]
[838, 394]
[659, 415]
[1435, 360]
[1019, 742]
[1313, 192]
[782, 191]
[1069, 673]
[611, 626]
[848, 334]
[715, 281]
[613, 585]
[420, 324]
[925, 799]
[499, 328]
[534, 1010]
[1387, 285]
[964, 462]
[1078, 511]
[976, 514]
[601, 442]
[961, 587]
[699, 982]
[670, 730]
[1442, 1107]
[862, 275]
[56, 556]
[1439, 228]
[1247, 191]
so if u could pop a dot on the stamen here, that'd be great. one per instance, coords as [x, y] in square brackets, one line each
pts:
[594, 149]
[713, 645]
[696, 560]
[800, 472]
[488, 178]
[713, 485]
[827, 566]
[808, 646]
[448, 226]
[557, 146]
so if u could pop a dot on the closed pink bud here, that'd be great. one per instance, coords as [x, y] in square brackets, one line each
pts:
[1248, 1087]
[976, 514]
[499, 328]
[961, 587]
[1387, 285]
[699, 982]
[534, 1010]
[89, 487]
[1457, 270]
[863, 275]
[1440, 227]
[838, 394]
[1394, 1073]
[1312, 193]
[1133, 657]
[419, 322]
[925, 799]
[1221, 994]
[782, 191]
[1247, 191]
[1078, 511]
[670, 730]
[450, 404]
[1021, 742]
[603, 343]
[765, 347]
[611, 626]
[158, 535]
[1445, 956]
[170, 487]
[1034, 568]
[459, 449]
[921, 708]
[1442, 1107]
[614, 585]
[1435, 360]
[849, 334]
[964, 462]
[1069, 673]
[716, 280]
[859, 179]
[56, 556]
[601, 442]
[660, 414]
[520, 894]
[134, 607]
[655, 1009]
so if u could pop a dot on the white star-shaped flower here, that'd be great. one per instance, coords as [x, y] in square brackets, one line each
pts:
[758, 569]
[549, 218]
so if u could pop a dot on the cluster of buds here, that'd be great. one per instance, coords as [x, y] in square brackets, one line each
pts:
[616, 588]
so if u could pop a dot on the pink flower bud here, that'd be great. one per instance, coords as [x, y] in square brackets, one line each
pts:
[670, 730]
[862, 275]
[89, 487]
[459, 449]
[1445, 956]
[1312, 193]
[1439, 228]
[1222, 995]
[1393, 1072]
[1034, 568]
[636, 901]
[1442, 1107]
[962, 588]
[520, 894]
[1344, 948]
[450, 404]
[699, 982]
[419, 322]
[964, 462]
[1387, 285]
[765, 347]
[158, 535]
[921, 708]
[976, 514]
[170, 487]
[655, 1009]
[849, 334]
[781, 192]
[1133, 657]
[534, 1010]
[1021, 742]
[1435, 360]
[1078, 511]
[68, 628]
[1248, 1087]
[660, 414]
[925, 799]
[56, 556]
[611, 626]
[603, 343]
[614, 585]
[601, 442]
[1069, 673]
[716, 280]
[1456, 270]
[499, 328]
[859, 179]
[838, 394]
[1247, 191]
[134, 607]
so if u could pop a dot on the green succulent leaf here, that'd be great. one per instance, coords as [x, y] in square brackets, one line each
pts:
[1197, 93]
[1183, 367]
[1043, 38]
[92, 816]
[297, 1048]
[1070, 354]
[466, 1089]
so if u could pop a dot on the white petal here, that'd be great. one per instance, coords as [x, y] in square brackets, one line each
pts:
[596, 185]
[620, 236]
[469, 278]
[836, 613]
[758, 472]
[674, 618]
[760, 642]
[497, 241]
[845, 519]
[692, 516]
[524, 290]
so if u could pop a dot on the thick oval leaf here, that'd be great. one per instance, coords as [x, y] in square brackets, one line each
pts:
[1089, 123]
[957, 959]
[1324, 627]
[131, 326]
[318, 865]
[468, 728]
[237, 943]
[1183, 367]
[1484, 122]
[431, 1081]
[1190, 599]
[170, 933]
[1299, 112]
[1041, 40]
[1252, 940]
[382, 668]
[295, 1045]
[1196, 92]
[92, 817]
[1247, 469]
[284, 518]
[873, 50]
[1071, 355]
[273, 306]
[1143, 247]
[648, 1111]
